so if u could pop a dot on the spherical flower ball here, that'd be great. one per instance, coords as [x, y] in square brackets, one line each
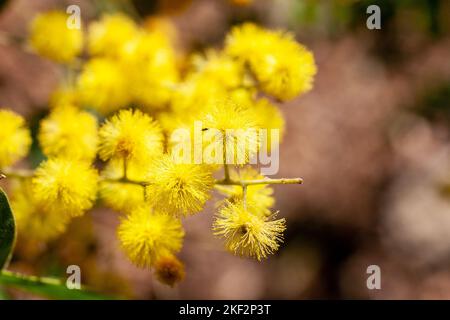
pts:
[130, 135]
[34, 220]
[69, 132]
[102, 86]
[67, 185]
[110, 34]
[179, 188]
[247, 234]
[147, 235]
[151, 66]
[283, 67]
[231, 126]
[15, 138]
[51, 37]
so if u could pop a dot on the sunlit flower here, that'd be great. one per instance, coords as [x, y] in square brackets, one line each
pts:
[146, 236]
[50, 37]
[69, 132]
[247, 234]
[283, 67]
[179, 188]
[34, 219]
[67, 185]
[102, 86]
[15, 138]
[130, 135]
[109, 35]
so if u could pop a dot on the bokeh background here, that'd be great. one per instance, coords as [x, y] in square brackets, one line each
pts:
[371, 140]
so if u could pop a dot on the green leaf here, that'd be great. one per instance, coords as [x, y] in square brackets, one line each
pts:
[47, 287]
[7, 230]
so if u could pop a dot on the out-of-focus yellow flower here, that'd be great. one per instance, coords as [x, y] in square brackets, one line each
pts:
[15, 138]
[63, 96]
[259, 197]
[102, 86]
[233, 127]
[122, 197]
[162, 24]
[179, 188]
[69, 132]
[68, 186]
[146, 236]
[151, 66]
[35, 221]
[51, 38]
[269, 117]
[247, 234]
[241, 2]
[130, 135]
[218, 68]
[283, 67]
[109, 35]
[169, 270]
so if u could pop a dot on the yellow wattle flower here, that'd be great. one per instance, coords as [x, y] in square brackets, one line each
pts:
[269, 117]
[69, 132]
[130, 135]
[64, 95]
[151, 66]
[179, 188]
[15, 138]
[102, 86]
[109, 35]
[233, 127]
[283, 67]
[50, 37]
[146, 236]
[66, 185]
[35, 220]
[247, 234]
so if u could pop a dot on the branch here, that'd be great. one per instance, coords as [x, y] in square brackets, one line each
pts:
[260, 181]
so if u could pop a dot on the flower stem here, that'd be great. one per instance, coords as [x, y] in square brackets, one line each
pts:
[260, 181]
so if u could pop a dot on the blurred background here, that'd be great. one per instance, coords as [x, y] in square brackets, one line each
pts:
[371, 141]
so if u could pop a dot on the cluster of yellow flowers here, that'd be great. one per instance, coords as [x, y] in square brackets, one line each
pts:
[132, 76]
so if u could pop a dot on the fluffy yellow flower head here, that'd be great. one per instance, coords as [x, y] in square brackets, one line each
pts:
[69, 186]
[227, 124]
[219, 68]
[122, 197]
[102, 86]
[70, 133]
[130, 135]
[109, 35]
[51, 38]
[269, 117]
[283, 67]
[259, 197]
[34, 220]
[146, 236]
[62, 96]
[179, 188]
[152, 69]
[247, 234]
[15, 138]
